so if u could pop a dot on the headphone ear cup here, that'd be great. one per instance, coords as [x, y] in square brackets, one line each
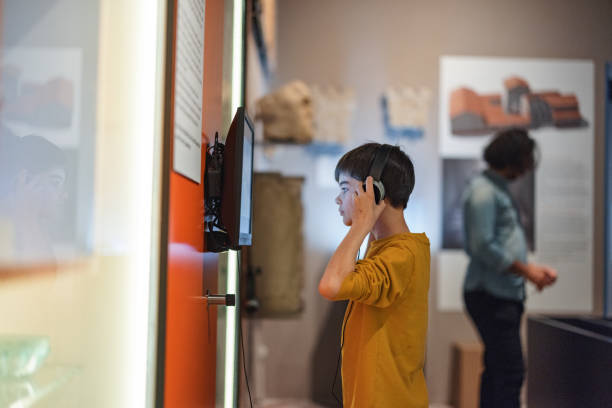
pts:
[379, 191]
[376, 194]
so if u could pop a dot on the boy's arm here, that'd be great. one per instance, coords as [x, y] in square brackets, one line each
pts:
[342, 262]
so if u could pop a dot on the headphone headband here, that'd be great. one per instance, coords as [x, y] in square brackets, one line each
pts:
[381, 157]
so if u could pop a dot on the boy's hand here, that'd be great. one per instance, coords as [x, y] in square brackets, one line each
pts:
[365, 209]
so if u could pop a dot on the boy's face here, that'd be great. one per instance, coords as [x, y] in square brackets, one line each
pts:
[348, 189]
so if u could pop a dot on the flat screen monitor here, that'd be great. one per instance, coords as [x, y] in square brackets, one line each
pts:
[236, 207]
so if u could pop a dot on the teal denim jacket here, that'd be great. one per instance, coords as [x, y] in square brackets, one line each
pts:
[493, 238]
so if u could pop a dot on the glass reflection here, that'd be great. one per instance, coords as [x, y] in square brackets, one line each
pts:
[45, 163]
[32, 195]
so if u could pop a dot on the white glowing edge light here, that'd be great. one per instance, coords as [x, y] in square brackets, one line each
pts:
[237, 56]
[230, 331]
[232, 260]
[145, 123]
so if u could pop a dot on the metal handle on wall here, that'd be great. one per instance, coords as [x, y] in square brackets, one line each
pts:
[223, 300]
[218, 300]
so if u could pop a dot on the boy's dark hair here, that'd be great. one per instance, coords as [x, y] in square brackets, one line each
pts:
[511, 148]
[397, 177]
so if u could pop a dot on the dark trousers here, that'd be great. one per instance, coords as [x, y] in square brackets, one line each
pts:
[498, 322]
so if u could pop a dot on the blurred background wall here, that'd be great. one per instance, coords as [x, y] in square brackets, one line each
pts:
[368, 46]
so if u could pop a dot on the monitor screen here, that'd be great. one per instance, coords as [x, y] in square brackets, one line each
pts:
[247, 180]
[237, 202]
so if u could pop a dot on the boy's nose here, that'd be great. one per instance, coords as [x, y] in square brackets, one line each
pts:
[337, 200]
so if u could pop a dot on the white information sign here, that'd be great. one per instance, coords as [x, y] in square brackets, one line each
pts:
[188, 80]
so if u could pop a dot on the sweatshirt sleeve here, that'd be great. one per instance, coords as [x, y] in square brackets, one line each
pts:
[380, 280]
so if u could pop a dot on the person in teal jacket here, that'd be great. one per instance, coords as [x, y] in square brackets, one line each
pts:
[494, 286]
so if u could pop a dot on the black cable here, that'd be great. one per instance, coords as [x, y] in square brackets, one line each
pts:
[350, 309]
[246, 377]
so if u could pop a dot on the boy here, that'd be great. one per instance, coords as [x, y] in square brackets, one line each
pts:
[385, 325]
[494, 286]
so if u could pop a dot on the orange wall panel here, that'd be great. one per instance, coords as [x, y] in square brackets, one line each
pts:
[191, 327]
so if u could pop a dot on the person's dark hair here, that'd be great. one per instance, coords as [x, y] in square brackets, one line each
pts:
[397, 177]
[511, 149]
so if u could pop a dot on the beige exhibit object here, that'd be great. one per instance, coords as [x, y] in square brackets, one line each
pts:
[287, 114]
[333, 113]
[466, 374]
[408, 106]
[278, 243]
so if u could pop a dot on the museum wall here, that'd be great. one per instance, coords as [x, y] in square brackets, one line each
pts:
[368, 46]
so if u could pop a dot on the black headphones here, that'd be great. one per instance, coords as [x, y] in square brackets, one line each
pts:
[379, 161]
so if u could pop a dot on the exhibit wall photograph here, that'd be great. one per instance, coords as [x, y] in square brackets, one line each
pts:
[553, 100]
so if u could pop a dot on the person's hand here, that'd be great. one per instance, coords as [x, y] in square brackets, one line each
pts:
[365, 209]
[541, 275]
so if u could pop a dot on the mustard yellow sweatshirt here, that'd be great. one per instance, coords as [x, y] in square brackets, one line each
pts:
[385, 325]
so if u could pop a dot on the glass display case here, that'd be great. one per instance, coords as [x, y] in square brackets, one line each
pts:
[80, 83]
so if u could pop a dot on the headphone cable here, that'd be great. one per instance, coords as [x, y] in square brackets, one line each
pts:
[350, 309]
[246, 377]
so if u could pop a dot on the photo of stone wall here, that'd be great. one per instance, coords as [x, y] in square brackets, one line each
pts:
[472, 113]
